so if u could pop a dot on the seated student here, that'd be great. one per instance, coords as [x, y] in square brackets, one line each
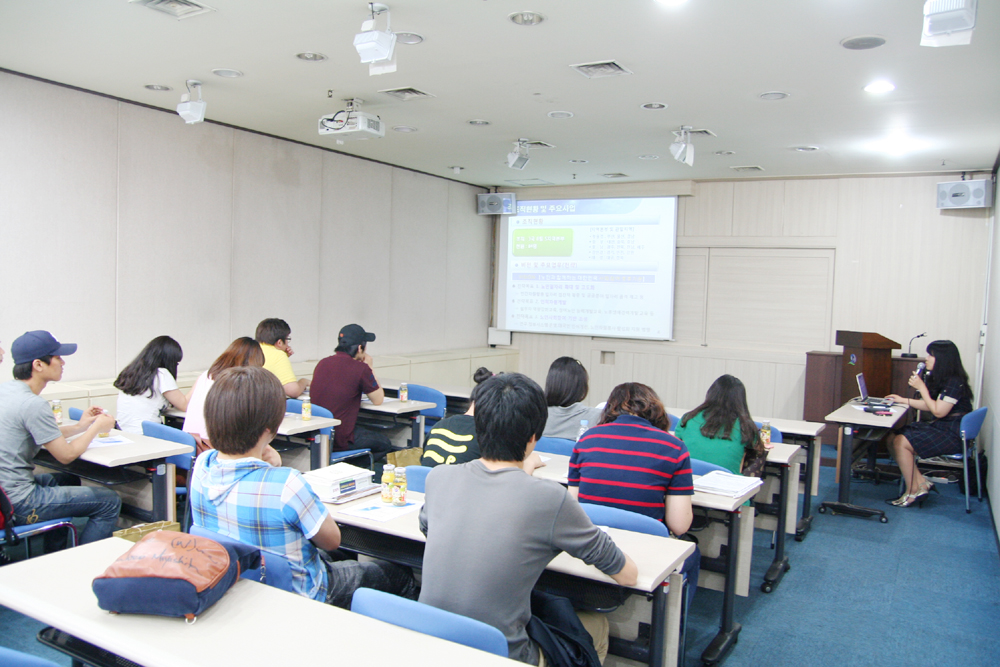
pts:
[453, 439]
[630, 462]
[243, 351]
[525, 521]
[149, 384]
[566, 385]
[27, 424]
[275, 336]
[721, 430]
[236, 492]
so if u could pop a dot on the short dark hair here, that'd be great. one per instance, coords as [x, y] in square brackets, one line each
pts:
[271, 330]
[23, 371]
[510, 410]
[567, 382]
[350, 350]
[244, 402]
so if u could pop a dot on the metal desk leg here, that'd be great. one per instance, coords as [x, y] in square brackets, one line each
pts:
[657, 622]
[843, 504]
[164, 492]
[319, 452]
[780, 564]
[417, 431]
[805, 523]
[729, 629]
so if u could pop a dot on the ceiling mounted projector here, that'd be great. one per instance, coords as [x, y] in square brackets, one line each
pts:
[376, 47]
[352, 124]
[948, 22]
[518, 158]
[682, 149]
[192, 111]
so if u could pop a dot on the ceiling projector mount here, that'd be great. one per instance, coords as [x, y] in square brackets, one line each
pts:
[352, 124]
[682, 149]
[518, 158]
[377, 47]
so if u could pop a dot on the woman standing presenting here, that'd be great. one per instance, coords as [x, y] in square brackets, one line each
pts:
[946, 395]
[721, 430]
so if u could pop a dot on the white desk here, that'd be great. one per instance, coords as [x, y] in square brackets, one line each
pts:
[393, 407]
[657, 559]
[252, 624]
[140, 449]
[456, 395]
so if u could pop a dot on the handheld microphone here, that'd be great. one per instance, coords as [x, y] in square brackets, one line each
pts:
[920, 368]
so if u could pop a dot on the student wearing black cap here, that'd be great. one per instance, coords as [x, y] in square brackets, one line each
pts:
[27, 424]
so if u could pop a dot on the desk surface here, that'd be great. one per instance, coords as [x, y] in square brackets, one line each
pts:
[790, 426]
[252, 624]
[394, 406]
[292, 424]
[656, 557]
[140, 448]
[851, 413]
[449, 390]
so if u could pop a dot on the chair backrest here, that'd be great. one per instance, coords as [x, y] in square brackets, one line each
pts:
[75, 414]
[164, 432]
[416, 477]
[277, 569]
[419, 392]
[673, 421]
[429, 620]
[775, 433]
[613, 517]
[562, 446]
[295, 405]
[11, 658]
[972, 422]
[699, 467]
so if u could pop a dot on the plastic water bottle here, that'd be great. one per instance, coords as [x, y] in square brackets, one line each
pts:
[584, 425]
[307, 407]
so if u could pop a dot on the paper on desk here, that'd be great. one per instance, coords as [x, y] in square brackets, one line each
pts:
[382, 511]
[109, 441]
[726, 484]
[545, 459]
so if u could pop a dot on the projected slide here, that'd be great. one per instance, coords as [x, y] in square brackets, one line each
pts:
[596, 267]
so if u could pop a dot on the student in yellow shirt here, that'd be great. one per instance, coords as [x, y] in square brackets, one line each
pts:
[275, 338]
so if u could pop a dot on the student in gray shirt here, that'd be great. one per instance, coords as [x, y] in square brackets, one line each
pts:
[492, 528]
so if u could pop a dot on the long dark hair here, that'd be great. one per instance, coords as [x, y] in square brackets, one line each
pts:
[638, 400]
[947, 365]
[725, 405]
[243, 351]
[138, 377]
[567, 382]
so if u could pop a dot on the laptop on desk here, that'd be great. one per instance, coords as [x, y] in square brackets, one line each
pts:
[865, 398]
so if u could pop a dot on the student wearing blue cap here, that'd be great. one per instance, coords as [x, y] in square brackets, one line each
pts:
[27, 424]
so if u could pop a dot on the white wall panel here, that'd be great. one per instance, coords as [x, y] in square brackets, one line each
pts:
[690, 295]
[466, 303]
[758, 208]
[607, 371]
[709, 212]
[276, 231]
[58, 180]
[174, 235]
[810, 207]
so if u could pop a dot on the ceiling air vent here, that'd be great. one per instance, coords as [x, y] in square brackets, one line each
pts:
[600, 69]
[179, 9]
[615, 175]
[529, 182]
[697, 133]
[753, 167]
[537, 144]
[406, 94]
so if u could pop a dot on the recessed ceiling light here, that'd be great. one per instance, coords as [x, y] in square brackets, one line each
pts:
[805, 149]
[479, 121]
[579, 161]
[310, 56]
[526, 18]
[560, 114]
[408, 38]
[456, 170]
[880, 86]
[653, 106]
[862, 42]
[616, 174]
[725, 152]
[649, 157]
[404, 128]
[773, 95]
[227, 73]
[157, 87]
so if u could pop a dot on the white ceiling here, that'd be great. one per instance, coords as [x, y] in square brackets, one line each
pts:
[708, 60]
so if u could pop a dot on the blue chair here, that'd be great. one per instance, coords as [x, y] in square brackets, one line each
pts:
[11, 658]
[419, 392]
[11, 535]
[971, 423]
[699, 467]
[775, 433]
[429, 620]
[295, 405]
[673, 422]
[75, 414]
[274, 571]
[416, 476]
[562, 446]
[182, 461]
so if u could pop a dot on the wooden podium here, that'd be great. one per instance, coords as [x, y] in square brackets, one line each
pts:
[868, 353]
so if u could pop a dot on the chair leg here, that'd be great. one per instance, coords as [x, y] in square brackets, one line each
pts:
[965, 471]
[979, 476]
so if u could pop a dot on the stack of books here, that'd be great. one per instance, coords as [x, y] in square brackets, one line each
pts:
[726, 484]
[339, 480]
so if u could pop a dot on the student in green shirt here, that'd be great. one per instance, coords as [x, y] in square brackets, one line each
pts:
[721, 430]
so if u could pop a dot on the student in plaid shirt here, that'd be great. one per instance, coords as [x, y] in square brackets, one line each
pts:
[236, 491]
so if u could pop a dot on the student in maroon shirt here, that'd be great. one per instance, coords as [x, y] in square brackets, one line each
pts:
[337, 385]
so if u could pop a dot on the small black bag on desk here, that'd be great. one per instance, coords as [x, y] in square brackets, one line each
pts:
[176, 574]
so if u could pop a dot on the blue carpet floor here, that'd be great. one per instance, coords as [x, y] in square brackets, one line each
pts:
[922, 589]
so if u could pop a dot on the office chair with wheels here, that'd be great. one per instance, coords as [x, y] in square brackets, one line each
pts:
[563, 446]
[11, 535]
[416, 476]
[295, 405]
[429, 620]
[274, 570]
[419, 392]
[182, 461]
[11, 658]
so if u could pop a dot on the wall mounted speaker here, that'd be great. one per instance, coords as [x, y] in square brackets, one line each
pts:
[965, 194]
[498, 203]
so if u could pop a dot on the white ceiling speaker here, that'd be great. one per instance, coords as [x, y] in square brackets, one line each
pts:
[497, 203]
[965, 194]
